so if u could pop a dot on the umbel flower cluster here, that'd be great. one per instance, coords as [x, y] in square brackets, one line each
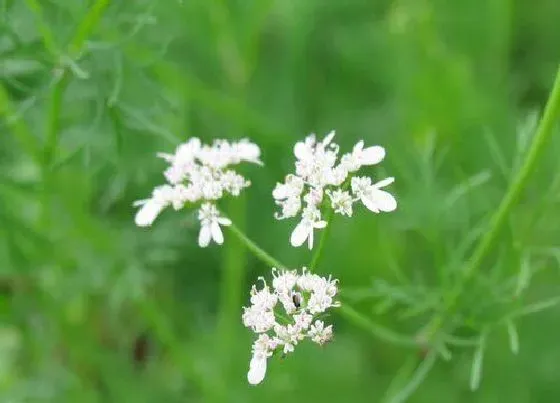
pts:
[200, 174]
[286, 314]
[320, 172]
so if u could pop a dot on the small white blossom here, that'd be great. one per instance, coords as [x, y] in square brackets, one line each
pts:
[319, 333]
[281, 327]
[318, 170]
[262, 349]
[210, 222]
[198, 173]
[372, 196]
[341, 202]
[162, 196]
[310, 220]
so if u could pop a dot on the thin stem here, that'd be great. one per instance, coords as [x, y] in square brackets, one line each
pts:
[18, 126]
[46, 33]
[86, 26]
[543, 133]
[416, 379]
[324, 235]
[74, 48]
[376, 330]
[231, 287]
[255, 249]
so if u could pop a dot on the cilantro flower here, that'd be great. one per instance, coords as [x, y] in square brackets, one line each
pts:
[318, 172]
[200, 175]
[285, 315]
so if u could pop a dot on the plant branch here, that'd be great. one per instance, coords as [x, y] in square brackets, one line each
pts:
[255, 249]
[543, 133]
[376, 330]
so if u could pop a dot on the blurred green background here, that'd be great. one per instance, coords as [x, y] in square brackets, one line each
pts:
[94, 309]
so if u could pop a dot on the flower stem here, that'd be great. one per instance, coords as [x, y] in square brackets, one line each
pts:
[376, 330]
[543, 133]
[255, 249]
[233, 277]
[324, 235]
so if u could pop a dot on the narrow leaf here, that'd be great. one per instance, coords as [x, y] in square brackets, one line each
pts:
[416, 379]
[476, 368]
[524, 276]
[513, 337]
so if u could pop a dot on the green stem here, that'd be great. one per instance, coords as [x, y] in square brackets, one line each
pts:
[544, 132]
[231, 287]
[74, 48]
[18, 126]
[324, 235]
[376, 330]
[255, 249]
[542, 135]
[46, 33]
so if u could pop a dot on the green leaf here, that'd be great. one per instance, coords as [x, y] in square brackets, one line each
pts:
[513, 337]
[476, 368]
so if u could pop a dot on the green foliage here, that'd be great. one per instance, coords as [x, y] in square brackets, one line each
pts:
[94, 309]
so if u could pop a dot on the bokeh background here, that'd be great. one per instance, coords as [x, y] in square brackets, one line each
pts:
[94, 309]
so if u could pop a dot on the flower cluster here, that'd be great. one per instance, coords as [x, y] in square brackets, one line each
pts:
[319, 171]
[287, 314]
[200, 173]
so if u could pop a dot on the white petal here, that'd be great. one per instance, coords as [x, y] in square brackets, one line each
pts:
[384, 182]
[329, 138]
[257, 370]
[310, 239]
[320, 224]
[300, 234]
[301, 151]
[138, 203]
[224, 221]
[217, 233]
[370, 203]
[384, 201]
[204, 236]
[358, 147]
[372, 155]
[148, 213]
[281, 192]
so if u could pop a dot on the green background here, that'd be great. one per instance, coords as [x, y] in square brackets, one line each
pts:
[94, 309]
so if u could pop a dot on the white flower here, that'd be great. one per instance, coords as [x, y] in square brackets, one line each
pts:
[318, 171]
[162, 196]
[262, 349]
[210, 222]
[372, 196]
[196, 174]
[311, 220]
[341, 202]
[319, 333]
[302, 296]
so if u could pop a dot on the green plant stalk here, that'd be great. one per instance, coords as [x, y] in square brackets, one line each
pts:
[376, 330]
[18, 127]
[543, 134]
[324, 235]
[233, 278]
[86, 26]
[74, 48]
[255, 249]
[46, 33]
